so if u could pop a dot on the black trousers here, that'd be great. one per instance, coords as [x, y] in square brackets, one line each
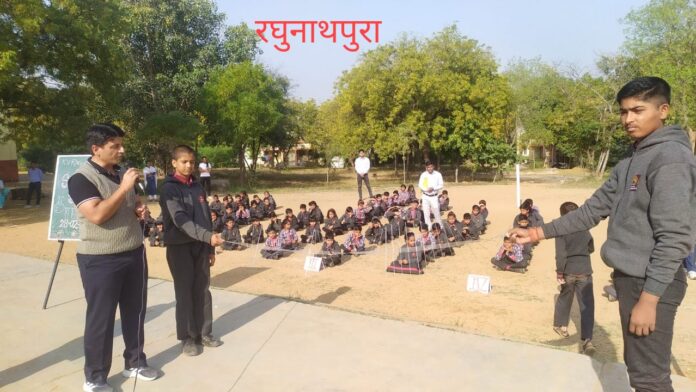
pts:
[365, 178]
[190, 267]
[34, 187]
[581, 286]
[648, 358]
[113, 280]
[205, 183]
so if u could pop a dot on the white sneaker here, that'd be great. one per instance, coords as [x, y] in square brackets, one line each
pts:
[692, 275]
[96, 387]
[145, 373]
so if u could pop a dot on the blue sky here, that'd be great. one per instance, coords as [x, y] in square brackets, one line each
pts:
[559, 32]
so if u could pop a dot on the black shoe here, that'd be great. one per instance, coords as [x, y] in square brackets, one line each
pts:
[190, 348]
[211, 341]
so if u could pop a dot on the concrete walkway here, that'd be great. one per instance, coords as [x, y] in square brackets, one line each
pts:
[274, 345]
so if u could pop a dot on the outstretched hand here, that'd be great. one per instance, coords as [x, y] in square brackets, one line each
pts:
[520, 236]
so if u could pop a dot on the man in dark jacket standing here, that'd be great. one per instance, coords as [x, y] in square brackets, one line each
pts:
[188, 233]
[651, 204]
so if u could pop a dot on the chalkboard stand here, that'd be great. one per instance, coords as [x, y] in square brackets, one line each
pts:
[53, 274]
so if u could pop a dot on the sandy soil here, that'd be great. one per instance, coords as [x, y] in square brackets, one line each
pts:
[520, 307]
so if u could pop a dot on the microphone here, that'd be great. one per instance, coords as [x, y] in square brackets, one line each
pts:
[139, 181]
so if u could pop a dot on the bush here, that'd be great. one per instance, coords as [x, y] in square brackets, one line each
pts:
[219, 156]
[44, 158]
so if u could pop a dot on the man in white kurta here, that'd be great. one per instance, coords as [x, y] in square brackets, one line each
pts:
[430, 184]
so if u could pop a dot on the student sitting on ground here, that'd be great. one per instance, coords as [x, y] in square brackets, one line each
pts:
[244, 199]
[271, 200]
[444, 201]
[233, 240]
[411, 258]
[454, 230]
[256, 211]
[241, 216]
[396, 226]
[411, 193]
[348, 219]
[441, 243]
[535, 218]
[376, 233]
[484, 211]
[362, 213]
[509, 257]
[272, 248]
[275, 223]
[425, 241]
[477, 220]
[332, 224]
[379, 207]
[218, 225]
[257, 199]
[313, 233]
[574, 274]
[469, 232]
[355, 242]
[148, 223]
[254, 234]
[389, 200]
[288, 236]
[403, 196]
[216, 205]
[315, 212]
[157, 235]
[268, 208]
[228, 214]
[330, 252]
[523, 222]
[302, 217]
[290, 216]
[413, 216]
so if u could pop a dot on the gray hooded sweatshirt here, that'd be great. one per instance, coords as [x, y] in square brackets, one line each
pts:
[651, 204]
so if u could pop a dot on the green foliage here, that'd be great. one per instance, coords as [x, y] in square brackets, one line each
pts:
[219, 155]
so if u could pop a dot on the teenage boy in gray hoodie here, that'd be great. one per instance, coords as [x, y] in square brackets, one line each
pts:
[651, 204]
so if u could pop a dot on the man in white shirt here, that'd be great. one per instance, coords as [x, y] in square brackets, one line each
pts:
[204, 170]
[430, 184]
[362, 167]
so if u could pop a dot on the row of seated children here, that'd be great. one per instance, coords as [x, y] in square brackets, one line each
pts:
[241, 209]
[417, 252]
[153, 230]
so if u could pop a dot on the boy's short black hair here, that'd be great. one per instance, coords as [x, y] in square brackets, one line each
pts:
[525, 206]
[410, 235]
[482, 202]
[273, 215]
[215, 195]
[475, 207]
[466, 216]
[214, 212]
[646, 88]
[312, 219]
[375, 220]
[423, 226]
[567, 207]
[349, 209]
[287, 222]
[272, 230]
[313, 203]
[100, 134]
[159, 222]
[436, 226]
[356, 228]
[288, 210]
[229, 205]
[229, 219]
[361, 150]
[181, 149]
[303, 206]
[329, 236]
[451, 213]
[256, 219]
[522, 217]
[386, 193]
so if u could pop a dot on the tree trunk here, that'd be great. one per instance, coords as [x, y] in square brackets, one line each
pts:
[242, 165]
[403, 159]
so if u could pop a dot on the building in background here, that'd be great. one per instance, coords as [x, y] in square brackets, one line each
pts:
[9, 171]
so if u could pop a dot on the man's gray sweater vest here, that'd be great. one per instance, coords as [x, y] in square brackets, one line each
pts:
[121, 232]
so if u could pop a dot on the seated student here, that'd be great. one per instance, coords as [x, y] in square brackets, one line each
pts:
[313, 233]
[290, 216]
[355, 242]
[454, 230]
[444, 201]
[216, 205]
[271, 200]
[272, 248]
[257, 199]
[376, 233]
[225, 201]
[330, 252]
[477, 220]
[388, 200]
[441, 243]
[233, 240]
[484, 211]
[413, 216]
[218, 225]
[348, 219]
[245, 199]
[379, 207]
[523, 222]
[362, 213]
[275, 223]
[396, 226]
[302, 217]
[228, 213]
[403, 196]
[241, 216]
[288, 236]
[574, 274]
[411, 193]
[426, 242]
[411, 258]
[332, 223]
[526, 209]
[509, 257]
[268, 208]
[157, 235]
[256, 211]
[470, 231]
[315, 212]
[254, 234]
[148, 223]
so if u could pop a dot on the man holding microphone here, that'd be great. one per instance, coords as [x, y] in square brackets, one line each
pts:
[430, 184]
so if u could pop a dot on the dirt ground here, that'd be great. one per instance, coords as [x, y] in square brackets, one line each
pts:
[519, 308]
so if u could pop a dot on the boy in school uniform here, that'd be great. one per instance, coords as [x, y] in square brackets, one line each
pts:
[379, 207]
[650, 200]
[190, 240]
[509, 257]
[157, 235]
[313, 233]
[397, 226]
[231, 235]
[477, 220]
[362, 213]
[275, 224]
[241, 216]
[216, 205]
[403, 196]
[302, 217]
[268, 208]
[413, 216]
[348, 219]
[441, 243]
[330, 252]
[426, 242]
[527, 249]
[254, 234]
[470, 232]
[444, 201]
[411, 258]
[376, 233]
[290, 216]
[355, 242]
[229, 212]
[454, 230]
[315, 212]
[332, 223]
[217, 222]
[574, 274]
[288, 236]
[256, 211]
[271, 200]
[272, 248]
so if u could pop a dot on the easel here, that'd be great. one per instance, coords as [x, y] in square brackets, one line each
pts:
[53, 273]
